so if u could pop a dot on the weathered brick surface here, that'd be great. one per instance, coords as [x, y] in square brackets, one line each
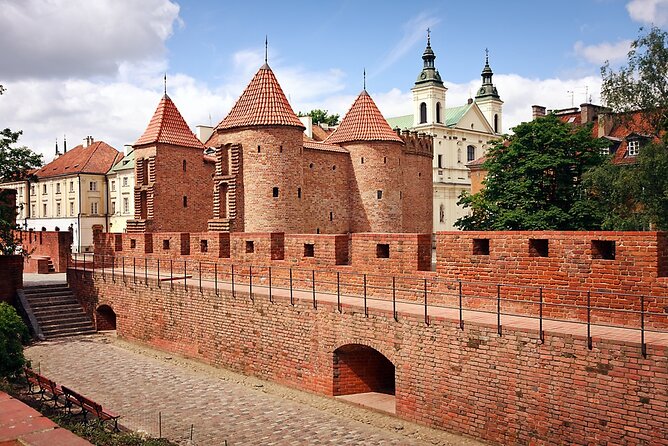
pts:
[406, 253]
[507, 390]
[52, 244]
[327, 249]
[11, 277]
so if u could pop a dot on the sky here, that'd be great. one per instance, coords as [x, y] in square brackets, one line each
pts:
[84, 67]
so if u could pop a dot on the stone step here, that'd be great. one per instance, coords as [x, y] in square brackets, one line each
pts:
[43, 303]
[53, 334]
[61, 318]
[48, 293]
[40, 288]
[57, 325]
[57, 309]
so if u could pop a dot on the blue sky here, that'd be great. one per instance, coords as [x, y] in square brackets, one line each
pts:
[95, 68]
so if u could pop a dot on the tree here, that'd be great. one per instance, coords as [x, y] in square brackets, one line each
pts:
[321, 116]
[643, 83]
[13, 335]
[15, 165]
[534, 180]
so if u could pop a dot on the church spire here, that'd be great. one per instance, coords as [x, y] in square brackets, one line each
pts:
[488, 89]
[429, 72]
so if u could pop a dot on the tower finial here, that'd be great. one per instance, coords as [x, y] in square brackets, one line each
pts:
[266, 47]
[486, 56]
[428, 37]
[165, 82]
[364, 76]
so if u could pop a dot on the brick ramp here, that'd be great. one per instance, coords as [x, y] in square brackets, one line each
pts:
[57, 311]
[22, 425]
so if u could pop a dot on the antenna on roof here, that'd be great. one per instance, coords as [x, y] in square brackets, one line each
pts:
[364, 84]
[266, 48]
[165, 81]
[572, 93]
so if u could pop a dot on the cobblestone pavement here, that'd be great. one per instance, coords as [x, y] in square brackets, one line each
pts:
[139, 383]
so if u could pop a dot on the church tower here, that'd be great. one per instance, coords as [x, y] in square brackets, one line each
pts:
[488, 98]
[428, 92]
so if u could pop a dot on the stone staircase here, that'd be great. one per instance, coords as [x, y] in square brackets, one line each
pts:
[57, 311]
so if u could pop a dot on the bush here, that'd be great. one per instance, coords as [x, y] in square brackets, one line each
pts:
[13, 335]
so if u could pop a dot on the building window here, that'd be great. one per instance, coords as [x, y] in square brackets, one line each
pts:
[438, 112]
[423, 113]
[133, 243]
[382, 251]
[113, 186]
[57, 209]
[33, 211]
[93, 208]
[165, 244]
[274, 192]
[379, 194]
[125, 181]
[496, 123]
[126, 205]
[459, 156]
[603, 249]
[71, 208]
[44, 189]
[539, 247]
[634, 148]
[44, 210]
[204, 245]
[440, 161]
[480, 246]
[32, 190]
[185, 201]
[57, 188]
[309, 250]
[605, 151]
[470, 153]
[71, 186]
[113, 207]
[93, 186]
[250, 247]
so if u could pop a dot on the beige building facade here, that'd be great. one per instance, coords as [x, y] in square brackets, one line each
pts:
[120, 182]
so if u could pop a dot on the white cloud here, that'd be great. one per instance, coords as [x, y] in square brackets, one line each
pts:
[63, 38]
[414, 31]
[602, 52]
[654, 12]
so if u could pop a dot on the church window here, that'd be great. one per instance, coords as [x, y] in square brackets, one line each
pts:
[496, 123]
[274, 192]
[440, 161]
[438, 112]
[423, 113]
[470, 153]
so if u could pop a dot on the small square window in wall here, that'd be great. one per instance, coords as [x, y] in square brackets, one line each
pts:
[250, 247]
[204, 245]
[539, 247]
[165, 244]
[603, 249]
[309, 250]
[133, 243]
[274, 192]
[382, 251]
[480, 246]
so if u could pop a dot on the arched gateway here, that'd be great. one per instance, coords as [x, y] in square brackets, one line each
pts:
[105, 318]
[358, 368]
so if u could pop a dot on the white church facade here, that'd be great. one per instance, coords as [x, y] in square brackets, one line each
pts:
[461, 134]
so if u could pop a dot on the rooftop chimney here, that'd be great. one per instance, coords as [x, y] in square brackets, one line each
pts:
[87, 141]
[203, 132]
[537, 111]
[308, 123]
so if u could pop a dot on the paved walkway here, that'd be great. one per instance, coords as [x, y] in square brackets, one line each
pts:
[140, 383]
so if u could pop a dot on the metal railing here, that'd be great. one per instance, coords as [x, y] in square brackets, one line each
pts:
[623, 310]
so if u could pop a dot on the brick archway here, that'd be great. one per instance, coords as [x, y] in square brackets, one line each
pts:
[359, 368]
[105, 318]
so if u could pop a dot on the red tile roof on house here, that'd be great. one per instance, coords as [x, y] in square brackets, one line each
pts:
[320, 134]
[319, 145]
[363, 122]
[167, 126]
[98, 157]
[262, 103]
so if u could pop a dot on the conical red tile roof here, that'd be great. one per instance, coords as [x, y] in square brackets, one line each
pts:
[363, 122]
[262, 103]
[167, 126]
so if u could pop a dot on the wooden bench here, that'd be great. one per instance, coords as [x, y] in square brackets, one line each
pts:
[46, 388]
[88, 406]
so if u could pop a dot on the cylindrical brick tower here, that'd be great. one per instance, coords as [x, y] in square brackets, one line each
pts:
[377, 159]
[270, 165]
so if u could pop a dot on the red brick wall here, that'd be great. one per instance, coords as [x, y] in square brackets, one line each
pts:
[506, 390]
[407, 252]
[266, 247]
[417, 202]
[328, 249]
[52, 244]
[278, 163]
[326, 182]
[360, 369]
[11, 277]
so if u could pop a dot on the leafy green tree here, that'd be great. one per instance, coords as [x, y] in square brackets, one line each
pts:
[322, 116]
[643, 83]
[534, 180]
[13, 335]
[15, 164]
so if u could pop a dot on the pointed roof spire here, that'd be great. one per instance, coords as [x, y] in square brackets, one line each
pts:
[266, 48]
[165, 81]
[262, 103]
[363, 122]
[364, 83]
[167, 126]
